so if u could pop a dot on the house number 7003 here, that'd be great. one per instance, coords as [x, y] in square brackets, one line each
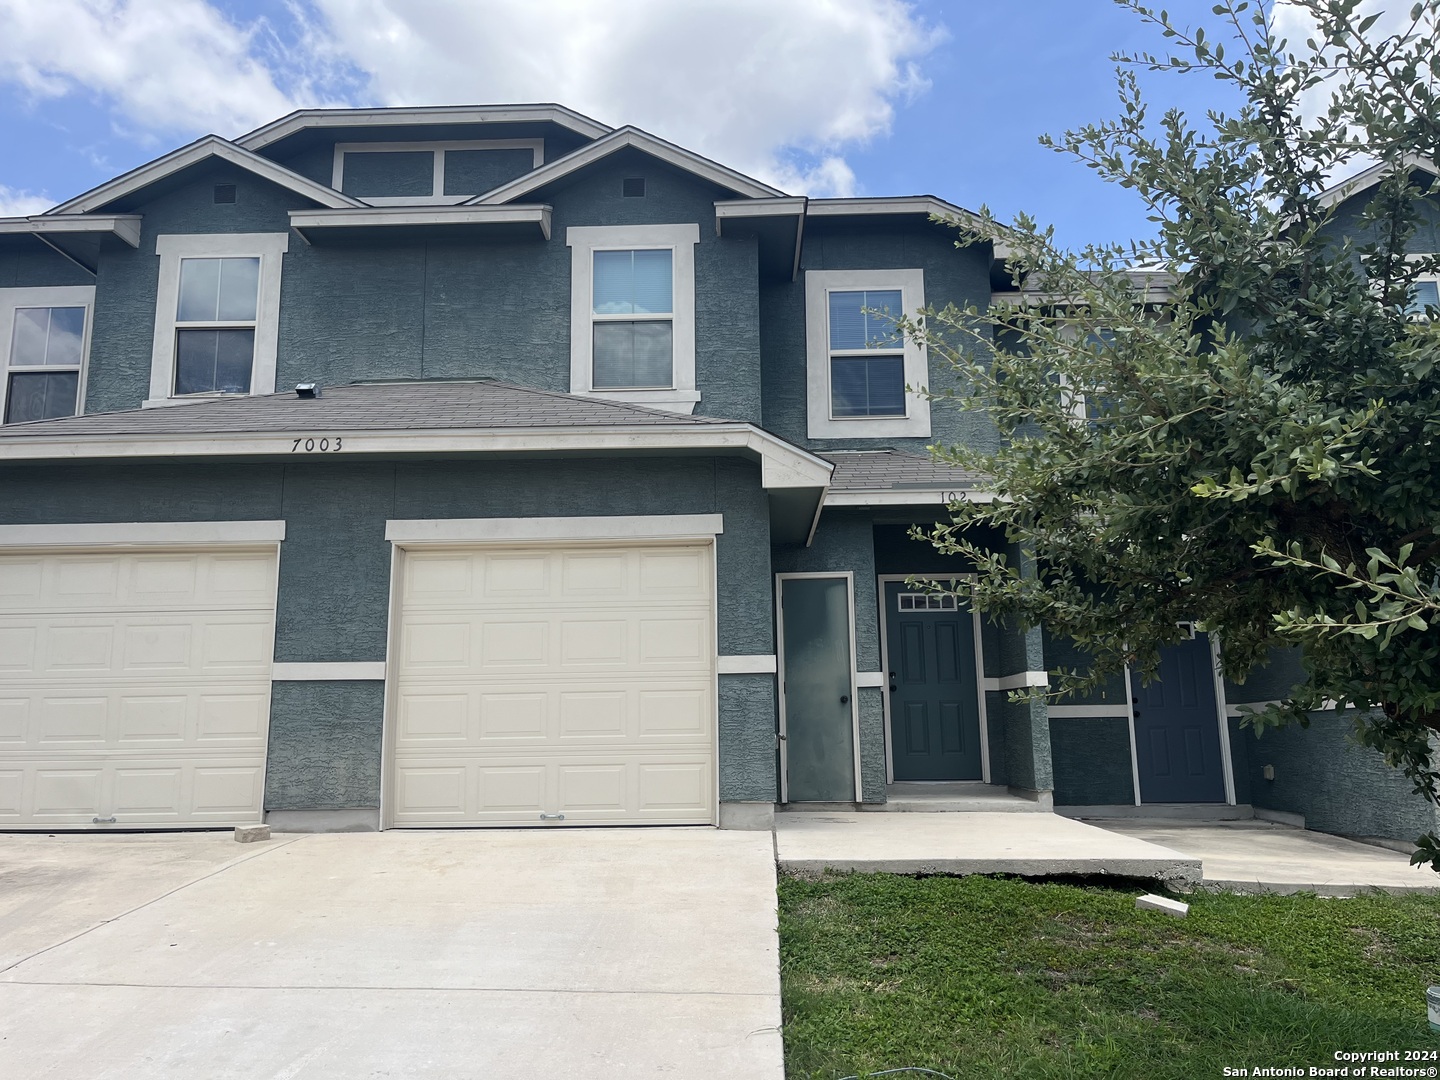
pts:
[316, 446]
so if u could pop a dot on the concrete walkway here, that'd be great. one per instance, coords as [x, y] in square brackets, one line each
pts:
[569, 953]
[1029, 845]
[1260, 856]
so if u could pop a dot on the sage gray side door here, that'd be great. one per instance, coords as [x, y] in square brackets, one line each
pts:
[934, 699]
[816, 681]
[1177, 728]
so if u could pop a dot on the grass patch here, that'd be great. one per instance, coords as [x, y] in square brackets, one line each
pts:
[985, 977]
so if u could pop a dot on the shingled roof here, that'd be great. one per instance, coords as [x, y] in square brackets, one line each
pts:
[896, 470]
[486, 405]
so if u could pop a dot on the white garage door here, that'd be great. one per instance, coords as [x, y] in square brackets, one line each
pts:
[545, 681]
[134, 686]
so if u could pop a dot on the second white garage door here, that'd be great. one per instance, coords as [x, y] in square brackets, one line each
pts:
[532, 682]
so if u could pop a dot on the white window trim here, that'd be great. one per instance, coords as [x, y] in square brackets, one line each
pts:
[51, 296]
[437, 179]
[1425, 277]
[819, 423]
[513, 530]
[583, 242]
[142, 533]
[270, 249]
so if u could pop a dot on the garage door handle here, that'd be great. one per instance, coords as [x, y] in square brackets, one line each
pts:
[552, 817]
[104, 820]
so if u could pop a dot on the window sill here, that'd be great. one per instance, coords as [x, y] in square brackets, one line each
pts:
[870, 427]
[187, 399]
[676, 401]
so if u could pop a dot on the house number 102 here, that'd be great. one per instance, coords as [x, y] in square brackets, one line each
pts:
[316, 446]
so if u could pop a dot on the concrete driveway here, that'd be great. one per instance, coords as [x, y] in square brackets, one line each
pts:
[494, 953]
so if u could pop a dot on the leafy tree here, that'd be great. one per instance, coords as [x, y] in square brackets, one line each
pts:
[1237, 421]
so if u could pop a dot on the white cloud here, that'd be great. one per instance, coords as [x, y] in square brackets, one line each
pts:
[780, 89]
[15, 203]
[162, 66]
[776, 88]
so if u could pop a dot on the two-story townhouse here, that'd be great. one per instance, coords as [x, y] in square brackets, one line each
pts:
[467, 466]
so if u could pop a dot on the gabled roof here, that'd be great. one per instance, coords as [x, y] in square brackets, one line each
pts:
[1364, 181]
[302, 119]
[620, 139]
[211, 146]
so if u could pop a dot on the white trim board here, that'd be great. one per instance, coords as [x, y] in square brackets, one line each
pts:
[757, 664]
[904, 497]
[520, 530]
[211, 146]
[1118, 711]
[620, 139]
[342, 671]
[782, 464]
[125, 226]
[400, 217]
[1019, 681]
[166, 533]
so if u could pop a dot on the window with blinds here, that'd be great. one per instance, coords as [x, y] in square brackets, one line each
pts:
[633, 319]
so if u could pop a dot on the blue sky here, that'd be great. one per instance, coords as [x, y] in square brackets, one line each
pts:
[872, 97]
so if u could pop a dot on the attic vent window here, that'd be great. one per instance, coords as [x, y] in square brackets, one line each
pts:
[633, 187]
[224, 193]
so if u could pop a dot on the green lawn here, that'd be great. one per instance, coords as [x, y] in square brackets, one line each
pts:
[984, 977]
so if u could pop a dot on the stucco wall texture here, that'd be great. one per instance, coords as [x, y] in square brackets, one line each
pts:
[334, 576]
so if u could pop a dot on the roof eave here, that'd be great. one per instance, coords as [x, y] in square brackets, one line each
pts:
[303, 119]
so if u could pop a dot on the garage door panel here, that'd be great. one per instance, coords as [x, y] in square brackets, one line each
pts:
[135, 685]
[72, 721]
[587, 681]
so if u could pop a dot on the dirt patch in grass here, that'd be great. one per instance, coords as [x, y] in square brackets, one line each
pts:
[986, 977]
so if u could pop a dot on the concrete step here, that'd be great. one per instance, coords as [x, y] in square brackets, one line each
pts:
[958, 798]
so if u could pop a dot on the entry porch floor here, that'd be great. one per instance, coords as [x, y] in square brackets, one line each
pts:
[1033, 845]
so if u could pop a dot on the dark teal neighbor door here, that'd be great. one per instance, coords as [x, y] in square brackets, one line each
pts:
[817, 672]
[1177, 728]
[934, 697]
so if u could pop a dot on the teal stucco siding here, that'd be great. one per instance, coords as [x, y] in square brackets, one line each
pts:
[334, 577]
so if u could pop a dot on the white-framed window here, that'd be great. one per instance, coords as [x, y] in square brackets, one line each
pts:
[217, 315]
[1424, 298]
[430, 173]
[44, 346]
[858, 365]
[632, 313]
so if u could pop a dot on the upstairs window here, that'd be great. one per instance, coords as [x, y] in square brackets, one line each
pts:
[431, 173]
[867, 358]
[632, 313]
[215, 325]
[1424, 299]
[43, 344]
[858, 364]
[633, 319]
[217, 315]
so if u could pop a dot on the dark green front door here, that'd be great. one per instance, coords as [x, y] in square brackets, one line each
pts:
[1177, 728]
[817, 671]
[934, 697]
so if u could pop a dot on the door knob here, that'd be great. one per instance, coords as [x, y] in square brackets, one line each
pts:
[844, 699]
[892, 683]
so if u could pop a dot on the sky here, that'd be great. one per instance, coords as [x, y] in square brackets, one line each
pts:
[818, 97]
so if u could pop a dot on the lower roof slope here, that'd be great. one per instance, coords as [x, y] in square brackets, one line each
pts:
[896, 470]
[428, 405]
